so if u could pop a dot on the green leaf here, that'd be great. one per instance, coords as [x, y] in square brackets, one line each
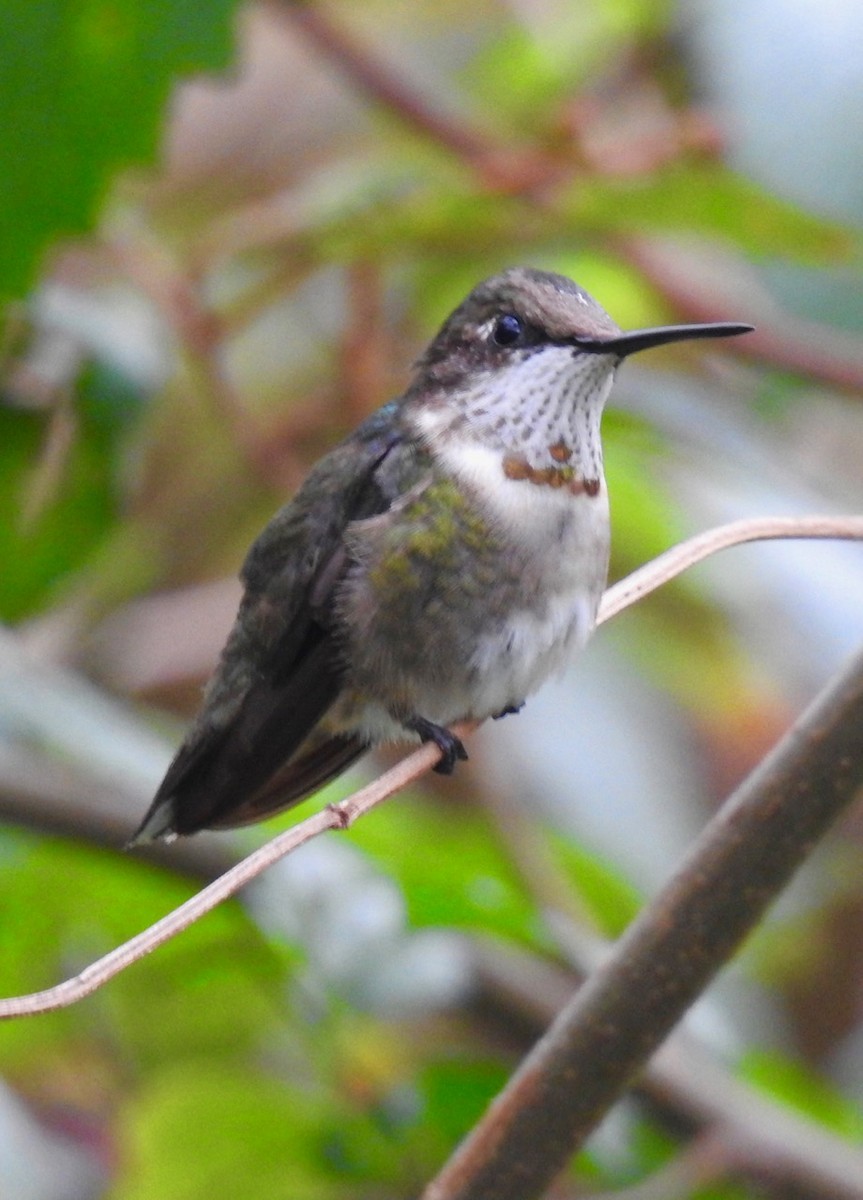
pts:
[533, 61]
[457, 1092]
[450, 867]
[799, 1088]
[705, 197]
[83, 86]
[203, 1130]
[79, 495]
[613, 901]
[214, 992]
[646, 521]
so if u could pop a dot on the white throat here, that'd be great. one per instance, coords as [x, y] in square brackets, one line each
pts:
[545, 408]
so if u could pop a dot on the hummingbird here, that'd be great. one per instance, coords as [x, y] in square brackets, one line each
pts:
[437, 566]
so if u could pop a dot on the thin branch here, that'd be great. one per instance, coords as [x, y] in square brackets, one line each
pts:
[377, 80]
[334, 816]
[771, 1139]
[500, 166]
[695, 549]
[48, 471]
[707, 1159]
[809, 348]
[365, 376]
[607, 1032]
[199, 332]
[342, 815]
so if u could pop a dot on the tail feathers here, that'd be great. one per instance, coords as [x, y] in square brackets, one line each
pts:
[222, 767]
[158, 823]
[304, 774]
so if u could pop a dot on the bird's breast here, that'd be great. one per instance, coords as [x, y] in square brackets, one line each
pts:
[471, 590]
[553, 512]
[543, 567]
[560, 533]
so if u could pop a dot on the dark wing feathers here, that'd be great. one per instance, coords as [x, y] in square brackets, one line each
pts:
[219, 770]
[297, 778]
[280, 670]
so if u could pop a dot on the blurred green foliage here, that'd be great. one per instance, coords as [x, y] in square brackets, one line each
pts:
[39, 550]
[207, 1064]
[803, 1090]
[87, 82]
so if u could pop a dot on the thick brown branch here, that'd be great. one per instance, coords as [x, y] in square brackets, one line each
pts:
[688, 1082]
[605, 1035]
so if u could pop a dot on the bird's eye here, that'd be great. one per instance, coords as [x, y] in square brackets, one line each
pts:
[507, 329]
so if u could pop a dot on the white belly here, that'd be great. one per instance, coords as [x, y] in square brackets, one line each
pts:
[493, 657]
[569, 535]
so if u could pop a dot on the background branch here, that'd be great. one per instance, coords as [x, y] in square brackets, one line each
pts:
[381, 84]
[607, 1032]
[685, 1080]
[813, 349]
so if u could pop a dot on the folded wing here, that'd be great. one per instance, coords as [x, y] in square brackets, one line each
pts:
[280, 671]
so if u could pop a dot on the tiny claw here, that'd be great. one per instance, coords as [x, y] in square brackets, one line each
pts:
[509, 711]
[451, 748]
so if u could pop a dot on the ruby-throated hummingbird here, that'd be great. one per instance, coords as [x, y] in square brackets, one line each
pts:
[438, 565]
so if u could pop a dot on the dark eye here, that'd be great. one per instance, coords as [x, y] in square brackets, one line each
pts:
[507, 329]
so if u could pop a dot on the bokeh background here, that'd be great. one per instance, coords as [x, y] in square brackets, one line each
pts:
[227, 230]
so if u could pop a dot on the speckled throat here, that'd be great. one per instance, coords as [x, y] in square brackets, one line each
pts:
[543, 413]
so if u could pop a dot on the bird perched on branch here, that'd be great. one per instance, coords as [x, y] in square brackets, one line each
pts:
[436, 566]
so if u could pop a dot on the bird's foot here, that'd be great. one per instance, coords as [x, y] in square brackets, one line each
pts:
[451, 748]
[509, 711]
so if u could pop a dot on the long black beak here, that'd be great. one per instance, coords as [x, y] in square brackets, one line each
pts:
[644, 339]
